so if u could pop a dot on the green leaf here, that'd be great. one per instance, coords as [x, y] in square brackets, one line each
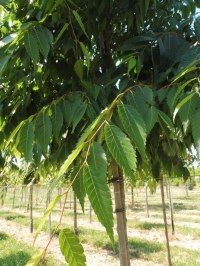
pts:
[45, 216]
[31, 46]
[196, 130]
[13, 134]
[34, 260]
[57, 120]
[78, 18]
[151, 117]
[43, 130]
[3, 62]
[97, 189]
[179, 90]
[42, 42]
[73, 110]
[78, 186]
[181, 103]
[71, 248]
[64, 28]
[26, 137]
[131, 64]
[146, 6]
[37, 154]
[86, 54]
[167, 121]
[78, 67]
[134, 126]
[187, 110]
[121, 149]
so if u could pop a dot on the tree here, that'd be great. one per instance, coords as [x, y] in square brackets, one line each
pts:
[99, 85]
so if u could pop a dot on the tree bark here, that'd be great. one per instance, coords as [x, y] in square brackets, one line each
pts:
[31, 208]
[132, 198]
[146, 200]
[171, 207]
[165, 220]
[120, 211]
[75, 216]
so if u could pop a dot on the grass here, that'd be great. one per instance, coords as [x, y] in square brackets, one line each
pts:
[15, 253]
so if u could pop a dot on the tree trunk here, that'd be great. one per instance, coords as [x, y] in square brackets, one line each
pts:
[165, 221]
[90, 213]
[171, 207]
[146, 200]
[31, 208]
[132, 198]
[75, 216]
[49, 218]
[120, 210]
[22, 197]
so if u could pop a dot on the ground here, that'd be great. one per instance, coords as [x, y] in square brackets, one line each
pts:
[146, 234]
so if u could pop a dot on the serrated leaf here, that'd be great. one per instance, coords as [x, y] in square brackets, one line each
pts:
[43, 130]
[78, 186]
[45, 216]
[57, 120]
[86, 54]
[34, 260]
[79, 20]
[26, 137]
[196, 130]
[181, 103]
[42, 42]
[96, 187]
[78, 67]
[37, 154]
[186, 112]
[73, 110]
[134, 126]
[71, 248]
[151, 117]
[31, 46]
[179, 90]
[13, 134]
[167, 121]
[121, 149]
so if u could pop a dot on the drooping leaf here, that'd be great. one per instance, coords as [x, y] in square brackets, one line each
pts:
[64, 28]
[167, 121]
[79, 20]
[131, 64]
[196, 130]
[71, 248]
[96, 187]
[45, 216]
[151, 117]
[26, 137]
[42, 42]
[3, 62]
[13, 134]
[179, 90]
[86, 54]
[78, 67]
[37, 154]
[181, 103]
[134, 126]
[121, 149]
[57, 120]
[78, 186]
[187, 110]
[43, 130]
[31, 46]
[73, 110]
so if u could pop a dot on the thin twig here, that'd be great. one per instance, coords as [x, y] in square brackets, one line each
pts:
[64, 204]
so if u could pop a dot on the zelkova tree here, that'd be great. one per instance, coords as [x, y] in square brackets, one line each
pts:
[94, 90]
